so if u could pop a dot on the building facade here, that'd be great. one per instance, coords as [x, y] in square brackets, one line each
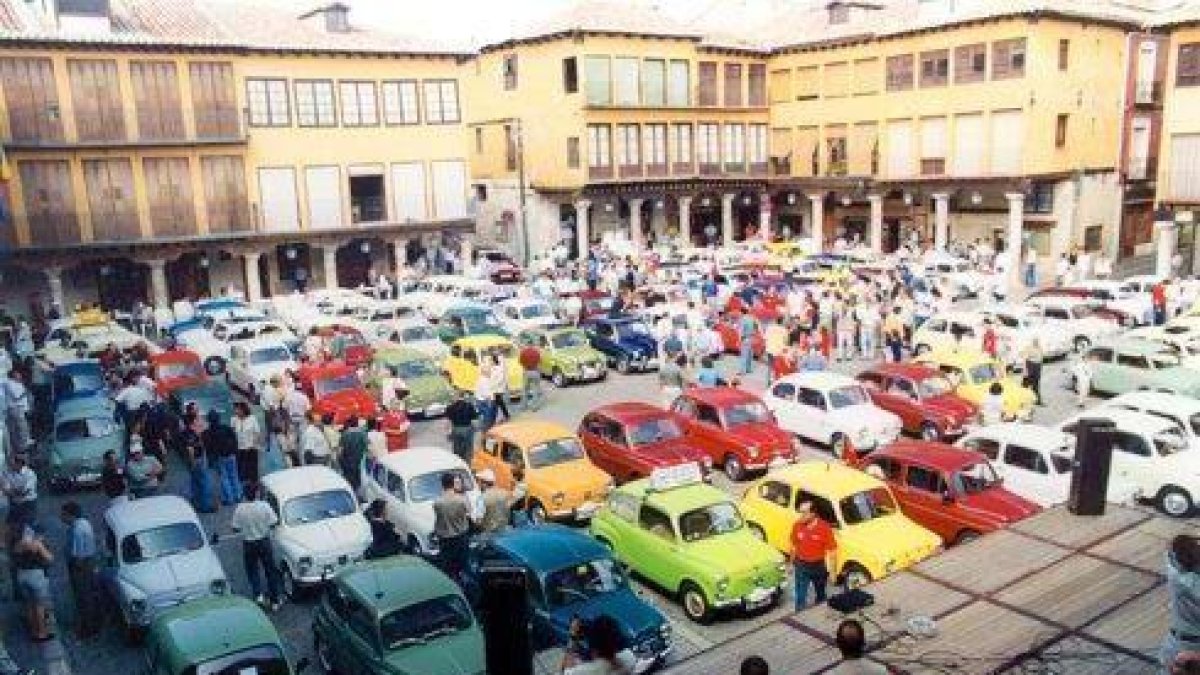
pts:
[1179, 166]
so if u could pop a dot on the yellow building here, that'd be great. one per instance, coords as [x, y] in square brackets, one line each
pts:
[1179, 168]
[161, 150]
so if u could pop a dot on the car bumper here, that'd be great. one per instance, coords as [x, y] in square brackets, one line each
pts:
[431, 410]
[772, 463]
[756, 599]
[585, 374]
[584, 511]
[320, 573]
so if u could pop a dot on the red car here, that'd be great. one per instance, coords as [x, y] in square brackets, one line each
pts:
[334, 388]
[735, 429]
[765, 307]
[951, 491]
[922, 397]
[1124, 319]
[731, 338]
[346, 344]
[628, 440]
[176, 369]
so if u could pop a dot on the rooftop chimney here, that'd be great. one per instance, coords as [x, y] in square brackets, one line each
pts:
[337, 17]
[83, 16]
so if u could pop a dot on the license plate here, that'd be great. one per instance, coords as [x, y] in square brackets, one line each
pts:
[436, 409]
[587, 510]
[759, 596]
[589, 372]
[88, 477]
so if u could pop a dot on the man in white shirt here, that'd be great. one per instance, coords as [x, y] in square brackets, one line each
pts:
[133, 396]
[296, 405]
[17, 407]
[254, 519]
[314, 447]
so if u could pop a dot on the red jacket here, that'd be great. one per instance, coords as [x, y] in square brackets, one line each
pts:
[530, 357]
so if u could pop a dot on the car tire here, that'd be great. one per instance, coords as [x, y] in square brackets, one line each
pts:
[323, 655]
[695, 605]
[558, 378]
[1081, 343]
[733, 467]
[623, 365]
[966, 536]
[837, 445]
[1175, 502]
[855, 576]
[757, 531]
[930, 432]
[537, 513]
[214, 366]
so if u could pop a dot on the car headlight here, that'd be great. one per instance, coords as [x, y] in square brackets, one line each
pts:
[137, 608]
[305, 562]
[558, 498]
[722, 586]
[753, 451]
[665, 630]
[219, 587]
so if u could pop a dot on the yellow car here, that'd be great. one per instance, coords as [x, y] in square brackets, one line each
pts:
[975, 372]
[786, 253]
[462, 366]
[561, 482]
[874, 539]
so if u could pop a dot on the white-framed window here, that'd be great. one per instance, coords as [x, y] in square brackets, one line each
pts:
[315, 106]
[654, 144]
[441, 101]
[597, 73]
[679, 84]
[268, 102]
[400, 104]
[628, 145]
[758, 144]
[708, 143]
[359, 105]
[654, 82]
[626, 81]
[681, 143]
[599, 146]
[735, 143]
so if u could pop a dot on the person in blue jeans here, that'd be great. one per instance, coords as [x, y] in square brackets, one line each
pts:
[746, 329]
[220, 444]
[813, 554]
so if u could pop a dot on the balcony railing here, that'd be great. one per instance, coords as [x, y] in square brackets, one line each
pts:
[781, 166]
[1147, 93]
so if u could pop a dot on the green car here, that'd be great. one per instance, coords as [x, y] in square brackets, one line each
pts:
[690, 539]
[466, 320]
[221, 634]
[567, 355]
[429, 392]
[84, 429]
[396, 615]
[1140, 365]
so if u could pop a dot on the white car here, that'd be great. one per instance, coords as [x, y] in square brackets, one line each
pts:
[521, 314]
[1035, 461]
[1151, 460]
[216, 347]
[419, 334]
[1178, 338]
[409, 482]
[1020, 325]
[90, 335]
[253, 363]
[943, 332]
[964, 277]
[320, 529]
[831, 408]
[1076, 318]
[158, 557]
[378, 320]
[1182, 410]
[1118, 296]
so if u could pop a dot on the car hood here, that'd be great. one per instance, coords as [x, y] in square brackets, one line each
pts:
[760, 435]
[182, 573]
[893, 536]
[736, 553]
[956, 408]
[457, 654]
[347, 402]
[635, 616]
[430, 387]
[643, 343]
[580, 354]
[999, 503]
[864, 416]
[88, 449]
[669, 453]
[348, 534]
[570, 477]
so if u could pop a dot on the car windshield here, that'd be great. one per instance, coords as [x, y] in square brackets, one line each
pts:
[417, 333]
[332, 385]
[983, 372]
[752, 412]
[480, 320]
[568, 339]
[1170, 441]
[414, 368]
[160, 542]
[425, 621]
[261, 660]
[654, 431]
[428, 486]
[844, 397]
[708, 521]
[867, 505]
[558, 451]
[632, 329]
[65, 385]
[535, 311]
[179, 369]
[599, 304]
[318, 506]
[935, 386]
[83, 429]
[1163, 360]
[269, 355]
[975, 478]
[582, 582]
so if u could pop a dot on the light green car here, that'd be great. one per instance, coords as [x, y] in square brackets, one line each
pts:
[84, 429]
[567, 356]
[225, 634]
[429, 392]
[1140, 365]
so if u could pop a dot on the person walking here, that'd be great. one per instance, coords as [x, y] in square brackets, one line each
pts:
[1031, 262]
[1033, 358]
[497, 504]
[775, 341]
[221, 448]
[81, 569]
[20, 486]
[314, 446]
[1180, 652]
[112, 476]
[254, 519]
[1082, 373]
[18, 407]
[670, 378]
[499, 385]
[461, 415]
[249, 441]
[30, 559]
[893, 334]
[484, 394]
[452, 525]
[1158, 300]
[144, 472]
[354, 449]
[813, 554]
[531, 359]
[385, 541]
[747, 327]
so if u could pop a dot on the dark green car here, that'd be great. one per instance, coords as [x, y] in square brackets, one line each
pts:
[214, 636]
[429, 392]
[567, 355]
[466, 320]
[396, 615]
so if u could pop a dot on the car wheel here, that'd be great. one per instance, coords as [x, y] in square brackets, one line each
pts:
[290, 588]
[324, 655]
[837, 445]
[1081, 344]
[923, 349]
[929, 432]
[537, 513]
[966, 536]
[558, 378]
[695, 605]
[130, 631]
[1175, 502]
[856, 576]
[623, 365]
[214, 365]
[734, 468]
[757, 532]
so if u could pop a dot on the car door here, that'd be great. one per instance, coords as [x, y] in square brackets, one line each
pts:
[603, 337]
[1132, 467]
[782, 401]
[905, 402]
[651, 545]
[361, 648]
[597, 435]
[698, 434]
[921, 494]
[395, 496]
[774, 504]
[708, 427]
[812, 411]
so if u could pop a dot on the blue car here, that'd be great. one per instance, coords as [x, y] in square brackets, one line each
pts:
[625, 340]
[77, 379]
[84, 429]
[211, 395]
[572, 575]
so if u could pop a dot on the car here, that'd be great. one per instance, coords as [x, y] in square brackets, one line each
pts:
[429, 392]
[831, 409]
[521, 314]
[334, 389]
[952, 492]
[396, 615]
[1182, 340]
[1020, 325]
[210, 395]
[468, 320]
[253, 363]
[874, 537]
[1099, 308]
[974, 373]
[1113, 294]
[503, 269]
[572, 575]
[1151, 460]
[1077, 318]
[964, 277]
[408, 482]
[566, 355]
[1034, 461]
[179, 368]
[593, 303]
[86, 334]
[690, 540]
[735, 429]
[1132, 365]
[379, 319]
[419, 334]
[626, 341]
[462, 366]
[921, 397]
[561, 482]
[629, 440]
[344, 343]
[81, 378]
[222, 634]
[320, 529]
[949, 331]
[84, 430]
[214, 347]
[1181, 410]
[157, 557]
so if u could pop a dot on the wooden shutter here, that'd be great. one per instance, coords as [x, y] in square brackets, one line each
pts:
[277, 194]
[449, 189]
[758, 84]
[708, 83]
[169, 190]
[111, 200]
[900, 149]
[156, 94]
[323, 188]
[1008, 140]
[225, 199]
[31, 98]
[96, 95]
[49, 202]
[214, 99]
[409, 189]
[733, 85]
[968, 145]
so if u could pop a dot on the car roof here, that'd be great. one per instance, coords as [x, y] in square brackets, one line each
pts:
[821, 379]
[1126, 420]
[208, 628]
[958, 357]
[397, 352]
[392, 583]
[484, 341]
[631, 411]
[721, 396]
[148, 512]
[1157, 399]
[910, 370]
[421, 460]
[937, 455]
[527, 432]
[550, 547]
[92, 405]
[678, 499]
[1137, 346]
[77, 366]
[827, 479]
[302, 480]
[1024, 433]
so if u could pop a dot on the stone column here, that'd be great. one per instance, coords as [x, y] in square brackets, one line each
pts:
[941, 220]
[582, 223]
[55, 282]
[636, 237]
[329, 259]
[1013, 238]
[817, 202]
[658, 220]
[685, 220]
[253, 282]
[1168, 240]
[466, 250]
[764, 216]
[727, 218]
[876, 232]
[159, 293]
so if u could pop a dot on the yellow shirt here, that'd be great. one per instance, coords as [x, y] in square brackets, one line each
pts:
[776, 339]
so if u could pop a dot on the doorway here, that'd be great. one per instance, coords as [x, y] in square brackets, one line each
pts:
[121, 283]
[367, 199]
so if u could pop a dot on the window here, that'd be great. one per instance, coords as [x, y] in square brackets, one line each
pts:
[1060, 131]
[510, 72]
[985, 446]
[924, 479]
[628, 147]
[708, 144]
[400, 105]
[757, 85]
[573, 152]
[811, 398]
[970, 63]
[1133, 361]
[757, 144]
[1064, 54]
[681, 143]
[935, 68]
[708, 414]
[1008, 59]
[314, 103]
[441, 101]
[626, 81]
[1187, 71]
[679, 84]
[359, 108]
[733, 85]
[866, 76]
[784, 391]
[777, 493]
[835, 145]
[808, 83]
[656, 522]
[1133, 444]
[510, 148]
[654, 145]
[708, 83]
[837, 80]
[820, 506]
[570, 75]
[889, 467]
[654, 82]
[599, 146]
[1024, 458]
[268, 103]
[597, 73]
[735, 147]
[900, 72]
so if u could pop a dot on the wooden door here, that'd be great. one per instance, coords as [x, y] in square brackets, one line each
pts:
[49, 202]
[225, 193]
[31, 99]
[214, 99]
[96, 95]
[169, 188]
[156, 95]
[111, 199]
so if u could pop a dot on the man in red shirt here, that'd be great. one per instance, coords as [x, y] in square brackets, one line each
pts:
[813, 549]
[1158, 298]
[530, 357]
